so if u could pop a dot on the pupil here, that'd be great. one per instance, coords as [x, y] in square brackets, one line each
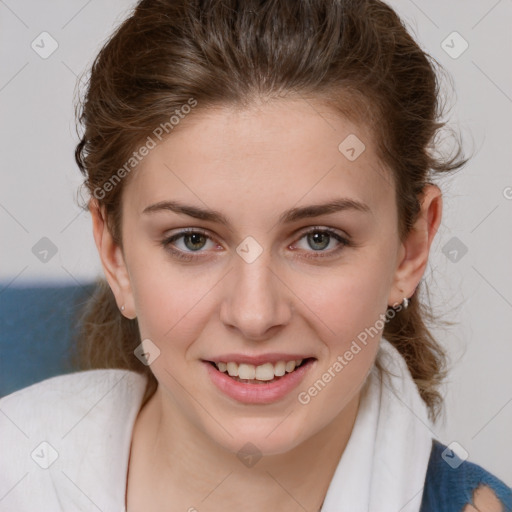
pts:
[317, 238]
[196, 240]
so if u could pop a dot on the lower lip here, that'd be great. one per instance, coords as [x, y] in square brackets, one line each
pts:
[258, 393]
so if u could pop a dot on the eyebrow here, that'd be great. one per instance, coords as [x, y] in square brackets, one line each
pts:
[289, 216]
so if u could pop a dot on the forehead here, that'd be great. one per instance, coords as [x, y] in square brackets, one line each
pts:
[285, 151]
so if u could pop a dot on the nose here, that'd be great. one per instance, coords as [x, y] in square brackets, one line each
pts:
[257, 301]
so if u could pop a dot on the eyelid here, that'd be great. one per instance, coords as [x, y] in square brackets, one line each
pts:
[186, 231]
[343, 240]
[321, 228]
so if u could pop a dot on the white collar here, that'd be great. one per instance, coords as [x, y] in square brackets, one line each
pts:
[90, 432]
[385, 462]
[382, 468]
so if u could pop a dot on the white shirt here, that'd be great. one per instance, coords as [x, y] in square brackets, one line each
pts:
[65, 443]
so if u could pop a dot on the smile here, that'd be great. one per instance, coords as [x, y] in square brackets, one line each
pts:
[266, 372]
[263, 384]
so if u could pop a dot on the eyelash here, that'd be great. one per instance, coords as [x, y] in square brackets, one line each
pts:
[190, 256]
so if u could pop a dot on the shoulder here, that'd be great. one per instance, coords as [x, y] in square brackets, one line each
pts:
[453, 484]
[77, 387]
[53, 417]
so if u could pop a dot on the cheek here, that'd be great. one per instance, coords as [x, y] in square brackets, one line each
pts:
[162, 307]
[347, 317]
[346, 300]
[344, 375]
[171, 308]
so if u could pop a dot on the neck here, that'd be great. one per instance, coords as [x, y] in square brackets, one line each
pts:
[167, 450]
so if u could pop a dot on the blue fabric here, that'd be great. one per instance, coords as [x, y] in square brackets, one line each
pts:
[36, 326]
[450, 482]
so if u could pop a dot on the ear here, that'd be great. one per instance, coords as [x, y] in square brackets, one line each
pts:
[112, 260]
[415, 249]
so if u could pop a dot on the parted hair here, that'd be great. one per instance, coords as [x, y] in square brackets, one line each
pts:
[356, 56]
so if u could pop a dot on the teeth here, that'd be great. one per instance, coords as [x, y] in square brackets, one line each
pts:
[232, 369]
[246, 371]
[280, 369]
[264, 372]
[290, 366]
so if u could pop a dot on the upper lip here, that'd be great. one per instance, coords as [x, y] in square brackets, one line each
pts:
[257, 360]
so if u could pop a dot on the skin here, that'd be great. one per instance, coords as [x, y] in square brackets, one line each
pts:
[485, 500]
[186, 439]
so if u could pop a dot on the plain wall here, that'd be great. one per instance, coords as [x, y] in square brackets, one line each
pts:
[39, 183]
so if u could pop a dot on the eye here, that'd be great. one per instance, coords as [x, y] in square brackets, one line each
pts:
[319, 239]
[193, 240]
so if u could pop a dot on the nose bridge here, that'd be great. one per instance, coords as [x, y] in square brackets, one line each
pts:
[256, 300]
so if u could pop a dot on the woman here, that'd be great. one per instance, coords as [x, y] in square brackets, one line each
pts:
[260, 189]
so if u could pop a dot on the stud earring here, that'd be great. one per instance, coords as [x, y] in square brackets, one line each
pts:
[405, 302]
[122, 307]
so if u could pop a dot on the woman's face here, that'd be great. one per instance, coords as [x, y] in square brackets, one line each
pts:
[255, 283]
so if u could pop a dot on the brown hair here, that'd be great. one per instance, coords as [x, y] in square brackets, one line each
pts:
[355, 56]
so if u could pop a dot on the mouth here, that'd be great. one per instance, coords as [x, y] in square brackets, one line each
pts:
[262, 374]
[266, 387]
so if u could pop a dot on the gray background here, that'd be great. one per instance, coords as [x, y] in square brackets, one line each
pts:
[39, 182]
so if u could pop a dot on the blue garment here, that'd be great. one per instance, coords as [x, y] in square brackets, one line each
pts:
[450, 482]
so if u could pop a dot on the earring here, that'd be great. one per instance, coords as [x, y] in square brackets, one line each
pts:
[405, 302]
[122, 309]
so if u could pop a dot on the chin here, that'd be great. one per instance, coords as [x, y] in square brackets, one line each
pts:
[264, 438]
